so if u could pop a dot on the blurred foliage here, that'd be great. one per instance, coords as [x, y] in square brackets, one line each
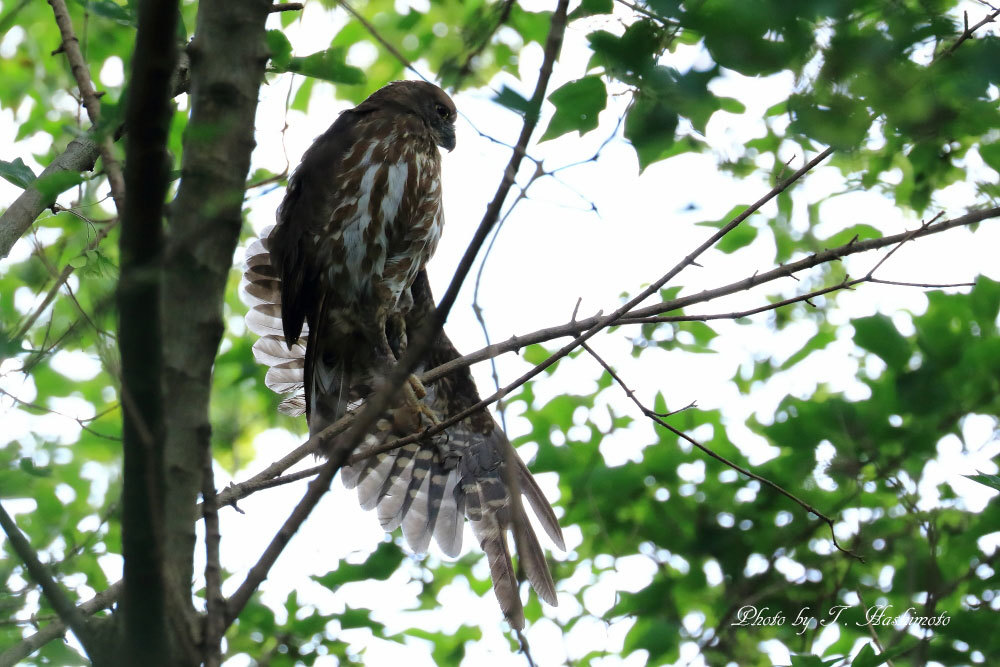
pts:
[719, 546]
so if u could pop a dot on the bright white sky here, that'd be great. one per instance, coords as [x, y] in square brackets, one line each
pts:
[551, 252]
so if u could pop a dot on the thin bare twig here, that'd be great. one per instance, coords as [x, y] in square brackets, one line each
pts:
[638, 316]
[81, 421]
[966, 34]
[258, 573]
[215, 604]
[524, 648]
[71, 47]
[871, 629]
[236, 492]
[269, 477]
[722, 459]
[60, 281]
[386, 44]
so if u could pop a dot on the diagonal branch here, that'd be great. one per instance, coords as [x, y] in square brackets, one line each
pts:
[575, 327]
[15, 654]
[80, 155]
[967, 34]
[215, 604]
[71, 47]
[269, 477]
[658, 418]
[54, 593]
[386, 44]
[258, 573]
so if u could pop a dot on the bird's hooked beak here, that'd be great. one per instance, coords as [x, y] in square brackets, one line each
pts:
[446, 138]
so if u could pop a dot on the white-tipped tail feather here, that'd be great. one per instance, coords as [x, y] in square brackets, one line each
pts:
[427, 488]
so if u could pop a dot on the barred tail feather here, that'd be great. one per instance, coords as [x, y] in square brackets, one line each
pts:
[427, 488]
[539, 504]
[493, 541]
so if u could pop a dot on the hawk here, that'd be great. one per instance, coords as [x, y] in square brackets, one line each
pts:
[361, 216]
[340, 279]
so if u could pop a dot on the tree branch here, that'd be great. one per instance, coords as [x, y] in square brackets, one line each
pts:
[386, 44]
[269, 477]
[643, 315]
[215, 604]
[258, 573]
[15, 654]
[80, 155]
[658, 418]
[54, 593]
[967, 34]
[71, 47]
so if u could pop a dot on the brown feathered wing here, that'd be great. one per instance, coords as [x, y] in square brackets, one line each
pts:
[430, 488]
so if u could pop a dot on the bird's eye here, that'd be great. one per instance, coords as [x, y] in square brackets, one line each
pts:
[442, 111]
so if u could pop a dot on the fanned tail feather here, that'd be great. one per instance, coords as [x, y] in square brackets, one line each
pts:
[427, 488]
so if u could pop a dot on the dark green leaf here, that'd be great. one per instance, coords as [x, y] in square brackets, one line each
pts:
[328, 65]
[878, 335]
[52, 185]
[992, 481]
[280, 49]
[378, 566]
[650, 126]
[513, 100]
[17, 172]
[109, 10]
[740, 237]
[592, 7]
[578, 104]
[991, 155]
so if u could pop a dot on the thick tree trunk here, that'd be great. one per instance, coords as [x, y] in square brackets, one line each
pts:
[228, 55]
[144, 628]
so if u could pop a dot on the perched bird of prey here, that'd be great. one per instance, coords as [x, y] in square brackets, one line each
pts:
[334, 287]
[361, 216]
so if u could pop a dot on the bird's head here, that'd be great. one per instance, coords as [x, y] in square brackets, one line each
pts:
[429, 103]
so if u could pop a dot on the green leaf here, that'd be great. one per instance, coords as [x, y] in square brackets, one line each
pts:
[17, 173]
[726, 219]
[740, 237]
[578, 104]
[380, 565]
[650, 126]
[867, 657]
[513, 100]
[877, 334]
[991, 155]
[329, 65]
[280, 48]
[27, 465]
[592, 7]
[109, 10]
[837, 120]
[992, 481]
[985, 302]
[844, 236]
[303, 94]
[52, 185]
